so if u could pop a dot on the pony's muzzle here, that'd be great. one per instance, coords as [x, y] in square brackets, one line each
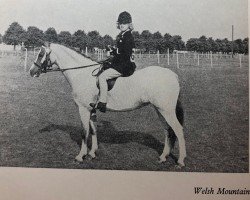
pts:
[34, 71]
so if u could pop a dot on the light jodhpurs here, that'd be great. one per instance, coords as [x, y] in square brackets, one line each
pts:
[106, 75]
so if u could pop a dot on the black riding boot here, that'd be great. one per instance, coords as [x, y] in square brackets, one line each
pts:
[101, 106]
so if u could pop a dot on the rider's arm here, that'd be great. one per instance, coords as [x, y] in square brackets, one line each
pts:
[125, 48]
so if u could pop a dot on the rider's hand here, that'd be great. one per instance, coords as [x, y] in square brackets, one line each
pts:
[111, 50]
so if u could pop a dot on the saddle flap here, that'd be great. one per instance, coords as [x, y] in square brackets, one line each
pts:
[110, 82]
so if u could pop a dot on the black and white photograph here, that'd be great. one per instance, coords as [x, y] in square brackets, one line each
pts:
[126, 87]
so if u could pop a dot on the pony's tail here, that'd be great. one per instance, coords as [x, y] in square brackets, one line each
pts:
[179, 112]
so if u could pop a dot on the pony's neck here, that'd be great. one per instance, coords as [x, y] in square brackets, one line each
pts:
[67, 58]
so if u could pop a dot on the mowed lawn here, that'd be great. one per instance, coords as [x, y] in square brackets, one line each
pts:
[40, 125]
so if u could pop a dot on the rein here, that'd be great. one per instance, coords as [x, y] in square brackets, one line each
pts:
[63, 70]
[47, 68]
[80, 67]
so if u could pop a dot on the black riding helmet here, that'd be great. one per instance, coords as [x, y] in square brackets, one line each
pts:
[124, 18]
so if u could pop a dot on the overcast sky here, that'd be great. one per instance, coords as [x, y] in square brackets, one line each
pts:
[187, 18]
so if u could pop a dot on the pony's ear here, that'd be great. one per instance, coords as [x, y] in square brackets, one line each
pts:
[49, 51]
[46, 44]
[43, 48]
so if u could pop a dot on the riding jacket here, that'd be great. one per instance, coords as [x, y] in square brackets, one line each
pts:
[123, 54]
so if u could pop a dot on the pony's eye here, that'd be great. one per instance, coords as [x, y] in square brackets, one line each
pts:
[40, 55]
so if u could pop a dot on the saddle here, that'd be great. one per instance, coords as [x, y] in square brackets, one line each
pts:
[111, 82]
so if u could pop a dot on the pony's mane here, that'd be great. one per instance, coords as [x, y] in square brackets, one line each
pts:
[77, 57]
[79, 52]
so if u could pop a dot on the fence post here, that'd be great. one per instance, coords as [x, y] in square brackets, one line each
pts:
[25, 60]
[177, 59]
[211, 57]
[86, 51]
[100, 54]
[158, 56]
[198, 56]
[240, 60]
[168, 56]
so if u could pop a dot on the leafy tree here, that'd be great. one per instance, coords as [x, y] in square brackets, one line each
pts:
[212, 45]
[192, 44]
[146, 38]
[136, 35]
[238, 46]
[167, 36]
[157, 39]
[220, 46]
[157, 36]
[177, 42]
[51, 35]
[137, 39]
[107, 40]
[14, 34]
[146, 35]
[64, 37]
[167, 43]
[203, 47]
[80, 39]
[245, 45]
[95, 39]
[33, 37]
[226, 46]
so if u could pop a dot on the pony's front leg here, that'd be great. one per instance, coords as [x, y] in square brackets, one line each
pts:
[85, 117]
[94, 146]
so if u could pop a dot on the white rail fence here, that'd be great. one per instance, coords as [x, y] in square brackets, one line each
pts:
[194, 59]
[177, 59]
[24, 56]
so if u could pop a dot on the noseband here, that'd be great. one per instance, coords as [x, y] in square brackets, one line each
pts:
[47, 64]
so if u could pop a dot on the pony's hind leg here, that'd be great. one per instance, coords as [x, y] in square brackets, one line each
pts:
[169, 138]
[166, 150]
[170, 117]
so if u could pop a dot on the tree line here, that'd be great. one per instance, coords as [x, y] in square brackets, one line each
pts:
[145, 41]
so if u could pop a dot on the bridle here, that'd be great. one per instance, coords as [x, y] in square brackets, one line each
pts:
[46, 66]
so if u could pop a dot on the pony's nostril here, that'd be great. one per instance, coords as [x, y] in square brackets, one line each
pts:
[31, 72]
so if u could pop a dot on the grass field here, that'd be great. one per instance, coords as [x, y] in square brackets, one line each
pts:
[40, 124]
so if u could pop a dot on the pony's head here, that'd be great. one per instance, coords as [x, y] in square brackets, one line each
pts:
[41, 63]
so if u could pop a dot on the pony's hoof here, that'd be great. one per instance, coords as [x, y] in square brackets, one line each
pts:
[162, 160]
[180, 165]
[92, 155]
[93, 118]
[78, 159]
